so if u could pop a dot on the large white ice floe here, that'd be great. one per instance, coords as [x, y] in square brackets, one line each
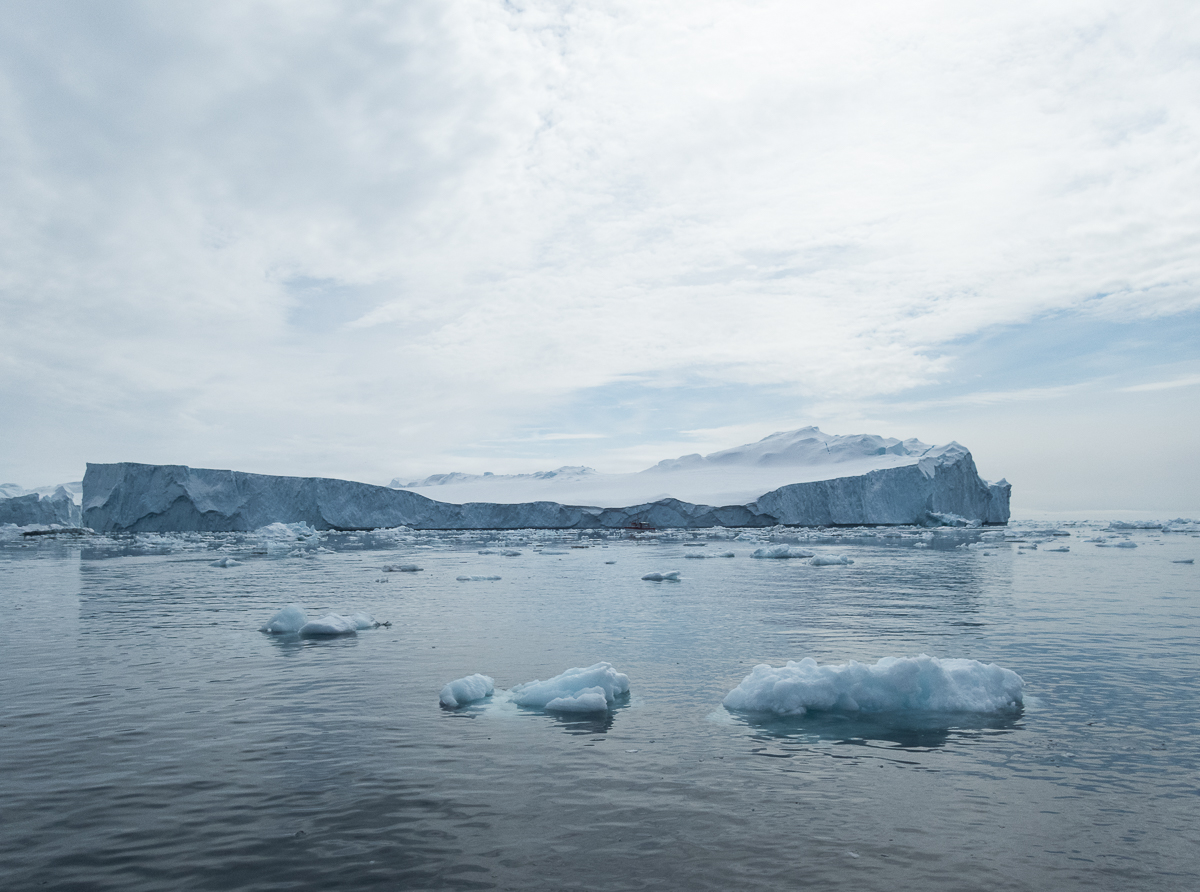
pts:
[466, 690]
[894, 684]
[802, 478]
[591, 689]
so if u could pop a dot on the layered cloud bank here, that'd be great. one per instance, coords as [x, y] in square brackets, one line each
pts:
[891, 482]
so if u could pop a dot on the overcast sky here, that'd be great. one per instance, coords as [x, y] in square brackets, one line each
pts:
[369, 240]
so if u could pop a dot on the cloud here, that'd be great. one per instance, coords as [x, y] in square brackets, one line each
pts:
[313, 238]
[1189, 381]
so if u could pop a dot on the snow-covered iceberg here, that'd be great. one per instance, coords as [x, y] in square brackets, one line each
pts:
[591, 689]
[802, 478]
[894, 684]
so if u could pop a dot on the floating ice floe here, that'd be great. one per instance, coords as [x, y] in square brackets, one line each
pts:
[289, 620]
[336, 624]
[692, 554]
[1059, 548]
[781, 551]
[672, 576]
[401, 568]
[328, 626]
[593, 689]
[825, 560]
[225, 562]
[510, 552]
[466, 690]
[922, 683]
[477, 578]
[610, 562]
[1185, 561]
[1124, 543]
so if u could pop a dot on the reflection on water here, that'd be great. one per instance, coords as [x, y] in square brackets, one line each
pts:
[925, 730]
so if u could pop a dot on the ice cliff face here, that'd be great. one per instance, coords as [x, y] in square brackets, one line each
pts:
[33, 508]
[942, 482]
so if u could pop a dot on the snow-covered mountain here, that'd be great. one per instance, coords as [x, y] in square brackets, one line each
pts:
[729, 477]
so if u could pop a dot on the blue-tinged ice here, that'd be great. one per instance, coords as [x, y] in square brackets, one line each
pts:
[923, 683]
[466, 690]
[670, 576]
[287, 621]
[591, 689]
[825, 560]
[781, 551]
[328, 626]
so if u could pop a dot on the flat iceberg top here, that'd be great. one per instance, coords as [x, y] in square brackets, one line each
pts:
[729, 477]
[894, 684]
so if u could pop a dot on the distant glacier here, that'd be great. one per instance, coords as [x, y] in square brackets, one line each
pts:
[799, 478]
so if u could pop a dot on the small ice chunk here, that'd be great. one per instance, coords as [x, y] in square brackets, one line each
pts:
[510, 552]
[692, 554]
[287, 621]
[727, 554]
[551, 551]
[781, 551]
[477, 578]
[466, 690]
[486, 551]
[610, 562]
[672, 576]
[1059, 548]
[826, 560]
[330, 624]
[591, 689]
[402, 568]
[1185, 561]
[1126, 544]
[225, 562]
[363, 621]
[922, 683]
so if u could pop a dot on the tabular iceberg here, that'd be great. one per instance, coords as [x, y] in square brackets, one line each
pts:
[835, 481]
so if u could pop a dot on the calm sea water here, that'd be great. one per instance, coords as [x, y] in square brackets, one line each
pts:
[151, 738]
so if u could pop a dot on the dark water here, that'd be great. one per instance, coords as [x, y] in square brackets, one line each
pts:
[151, 738]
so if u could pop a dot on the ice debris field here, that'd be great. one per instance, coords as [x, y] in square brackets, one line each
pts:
[894, 684]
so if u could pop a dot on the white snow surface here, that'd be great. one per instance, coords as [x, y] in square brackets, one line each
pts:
[729, 477]
[894, 684]
[466, 690]
[591, 689]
